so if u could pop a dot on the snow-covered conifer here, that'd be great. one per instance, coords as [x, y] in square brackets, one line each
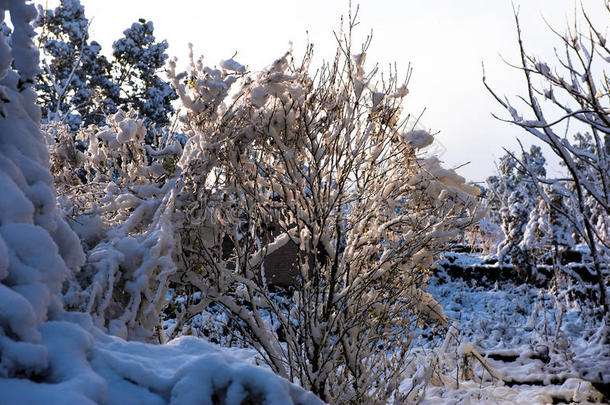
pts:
[518, 200]
[74, 82]
[80, 86]
[138, 59]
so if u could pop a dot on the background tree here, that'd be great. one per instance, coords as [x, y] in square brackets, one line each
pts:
[575, 91]
[517, 200]
[80, 86]
[137, 62]
[74, 83]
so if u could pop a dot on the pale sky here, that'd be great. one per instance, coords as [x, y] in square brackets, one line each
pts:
[444, 40]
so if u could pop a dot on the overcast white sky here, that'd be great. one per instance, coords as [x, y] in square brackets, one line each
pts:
[444, 40]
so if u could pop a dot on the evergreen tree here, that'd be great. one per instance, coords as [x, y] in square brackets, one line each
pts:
[547, 234]
[137, 61]
[518, 199]
[80, 86]
[75, 79]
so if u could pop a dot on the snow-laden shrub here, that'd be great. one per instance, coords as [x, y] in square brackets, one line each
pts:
[324, 164]
[116, 194]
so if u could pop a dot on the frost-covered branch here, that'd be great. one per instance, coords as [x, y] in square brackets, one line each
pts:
[585, 156]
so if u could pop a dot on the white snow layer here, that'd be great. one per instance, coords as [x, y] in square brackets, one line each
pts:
[87, 366]
[47, 355]
[540, 349]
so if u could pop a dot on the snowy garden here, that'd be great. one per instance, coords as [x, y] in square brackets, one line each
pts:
[286, 235]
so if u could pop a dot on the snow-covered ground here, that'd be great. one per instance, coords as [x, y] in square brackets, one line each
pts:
[90, 367]
[540, 349]
[525, 358]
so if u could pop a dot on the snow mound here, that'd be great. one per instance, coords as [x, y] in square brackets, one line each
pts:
[37, 248]
[87, 366]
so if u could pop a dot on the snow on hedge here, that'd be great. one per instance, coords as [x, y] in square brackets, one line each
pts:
[37, 248]
[48, 355]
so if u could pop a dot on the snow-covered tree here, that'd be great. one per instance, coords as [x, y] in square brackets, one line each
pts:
[516, 199]
[575, 91]
[80, 86]
[547, 236]
[111, 192]
[75, 81]
[137, 62]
